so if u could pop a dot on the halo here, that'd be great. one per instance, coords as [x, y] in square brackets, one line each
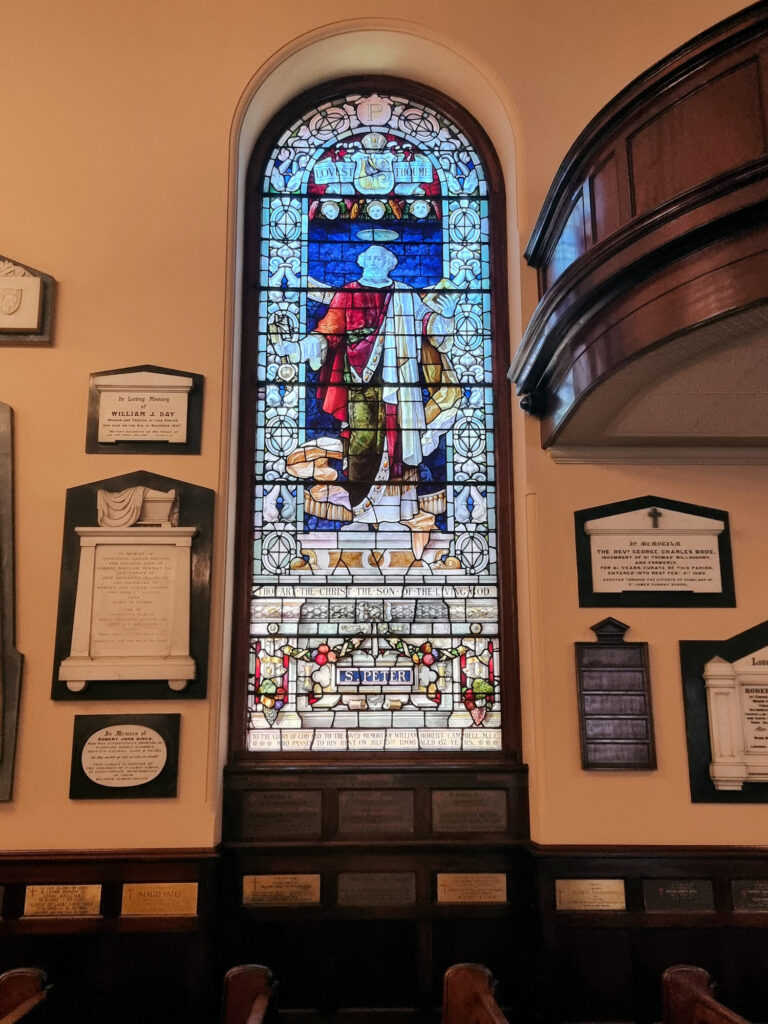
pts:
[377, 235]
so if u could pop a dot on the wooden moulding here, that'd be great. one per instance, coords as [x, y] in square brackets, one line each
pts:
[656, 222]
[10, 659]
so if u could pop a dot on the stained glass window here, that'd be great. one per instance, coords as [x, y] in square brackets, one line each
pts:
[374, 603]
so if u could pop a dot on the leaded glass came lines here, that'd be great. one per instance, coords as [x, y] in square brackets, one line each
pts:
[374, 612]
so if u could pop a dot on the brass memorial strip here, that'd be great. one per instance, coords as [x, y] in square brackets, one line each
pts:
[485, 887]
[590, 894]
[62, 901]
[280, 890]
[159, 899]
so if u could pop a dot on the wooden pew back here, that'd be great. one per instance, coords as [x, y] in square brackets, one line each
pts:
[687, 998]
[468, 996]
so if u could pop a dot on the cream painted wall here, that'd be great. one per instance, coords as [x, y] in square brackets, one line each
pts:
[118, 179]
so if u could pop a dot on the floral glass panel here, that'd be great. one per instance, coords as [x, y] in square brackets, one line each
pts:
[374, 614]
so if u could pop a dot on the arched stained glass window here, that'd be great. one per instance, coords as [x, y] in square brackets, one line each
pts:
[369, 526]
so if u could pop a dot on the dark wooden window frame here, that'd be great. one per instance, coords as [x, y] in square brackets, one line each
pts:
[239, 756]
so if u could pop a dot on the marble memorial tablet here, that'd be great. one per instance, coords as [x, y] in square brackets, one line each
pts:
[750, 894]
[678, 894]
[26, 304]
[124, 756]
[159, 899]
[62, 901]
[376, 888]
[280, 890]
[469, 810]
[590, 894]
[463, 887]
[290, 814]
[654, 552]
[148, 409]
[376, 812]
[737, 705]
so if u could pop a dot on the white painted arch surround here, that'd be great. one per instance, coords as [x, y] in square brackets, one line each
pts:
[363, 46]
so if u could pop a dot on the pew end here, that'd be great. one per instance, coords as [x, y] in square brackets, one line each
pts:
[468, 996]
[21, 990]
[687, 998]
[247, 992]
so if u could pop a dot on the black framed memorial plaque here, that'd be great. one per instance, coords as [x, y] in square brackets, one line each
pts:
[725, 695]
[678, 895]
[134, 593]
[144, 410]
[26, 304]
[654, 552]
[124, 756]
[615, 718]
[10, 659]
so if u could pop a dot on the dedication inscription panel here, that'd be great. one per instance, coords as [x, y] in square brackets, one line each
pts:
[653, 551]
[62, 901]
[116, 756]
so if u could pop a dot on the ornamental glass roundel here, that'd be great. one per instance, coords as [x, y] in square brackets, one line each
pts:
[374, 611]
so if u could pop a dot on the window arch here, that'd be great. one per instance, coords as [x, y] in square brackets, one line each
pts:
[374, 522]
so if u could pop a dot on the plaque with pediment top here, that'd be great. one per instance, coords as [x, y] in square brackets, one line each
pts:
[134, 595]
[654, 552]
[725, 691]
[26, 304]
[147, 410]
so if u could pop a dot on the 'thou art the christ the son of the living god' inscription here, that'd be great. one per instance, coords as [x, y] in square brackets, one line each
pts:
[648, 551]
[133, 593]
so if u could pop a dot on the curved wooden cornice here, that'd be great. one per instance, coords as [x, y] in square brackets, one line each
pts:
[656, 224]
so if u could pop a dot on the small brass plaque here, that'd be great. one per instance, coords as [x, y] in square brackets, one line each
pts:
[376, 812]
[750, 894]
[62, 901]
[469, 810]
[485, 887]
[159, 899]
[590, 894]
[280, 890]
[376, 888]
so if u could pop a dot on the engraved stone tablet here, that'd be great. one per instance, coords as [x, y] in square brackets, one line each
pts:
[469, 810]
[376, 812]
[278, 815]
[280, 890]
[62, 901]
[678, 894]
[653, 551]
[737, 705]
[750, 894]
[590, 894]
[483, 887]
[142, 406]
[376, 888]
[133, 593]
[129, 755]
[26, 303]
[159, 899]
[124, 756]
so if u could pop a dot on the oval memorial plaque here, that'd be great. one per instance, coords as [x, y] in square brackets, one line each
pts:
[124, 755]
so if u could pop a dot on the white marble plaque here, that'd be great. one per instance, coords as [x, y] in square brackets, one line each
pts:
[124, 755]
[132, 607]
[737, 706]
[590, 894]
[143, 406]
[62, 901]
[655, 549]
[133, 597]
[20, 297]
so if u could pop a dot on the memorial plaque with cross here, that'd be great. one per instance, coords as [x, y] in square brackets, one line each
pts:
[653, 552]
